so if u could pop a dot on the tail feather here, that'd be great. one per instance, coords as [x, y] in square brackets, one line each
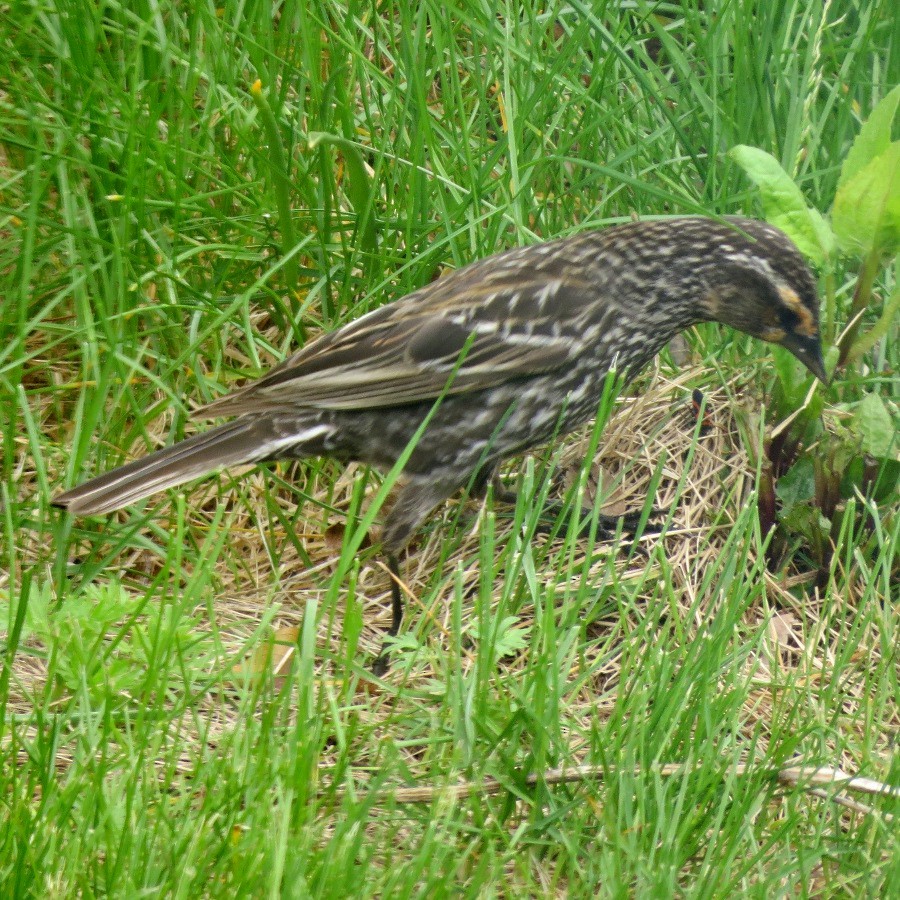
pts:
[244, 440]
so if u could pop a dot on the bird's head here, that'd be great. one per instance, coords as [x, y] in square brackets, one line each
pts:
[760, 284]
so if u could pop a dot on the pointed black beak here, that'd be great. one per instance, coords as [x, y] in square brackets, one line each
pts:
[809, 351]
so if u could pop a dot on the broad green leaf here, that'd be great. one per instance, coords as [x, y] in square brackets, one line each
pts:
[797, 485]
[823, 232]
[877, 428]
[866, 211]
[873, 139]
[879, 482]
[807, 520]
[510, 638]
[783, 203]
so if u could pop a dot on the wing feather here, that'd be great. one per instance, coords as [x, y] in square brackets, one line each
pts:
[406, 352]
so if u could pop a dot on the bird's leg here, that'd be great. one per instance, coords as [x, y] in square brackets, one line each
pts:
[488, 475]
[479, 482]
[396, 598]
[416, 499]
[383, 661]
[606, 525]
[502, 494]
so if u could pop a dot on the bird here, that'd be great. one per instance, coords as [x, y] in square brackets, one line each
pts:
[499, 356]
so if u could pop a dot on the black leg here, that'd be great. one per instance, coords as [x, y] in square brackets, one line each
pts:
[606, 525]
[482, 478]
[399, 527]
[383, 661]
[416, 499]
[503, 494]
[487, 475]
[396, 596]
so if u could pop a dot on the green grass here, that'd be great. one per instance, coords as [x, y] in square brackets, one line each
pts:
[142, 210]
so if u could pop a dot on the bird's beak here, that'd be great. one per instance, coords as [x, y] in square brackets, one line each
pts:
[809, 351]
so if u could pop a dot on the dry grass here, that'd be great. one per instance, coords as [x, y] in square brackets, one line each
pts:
[654, 423]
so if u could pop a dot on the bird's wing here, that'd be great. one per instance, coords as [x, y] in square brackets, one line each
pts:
[465, 332]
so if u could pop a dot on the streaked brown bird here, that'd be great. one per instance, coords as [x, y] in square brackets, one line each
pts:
[520, 345]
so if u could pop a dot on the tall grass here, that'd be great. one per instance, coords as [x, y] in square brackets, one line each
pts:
[146, 268]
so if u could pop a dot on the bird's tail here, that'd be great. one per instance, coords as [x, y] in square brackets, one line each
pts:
[245, 440]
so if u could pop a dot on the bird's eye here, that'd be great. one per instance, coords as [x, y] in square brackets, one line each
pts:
[788, 318]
